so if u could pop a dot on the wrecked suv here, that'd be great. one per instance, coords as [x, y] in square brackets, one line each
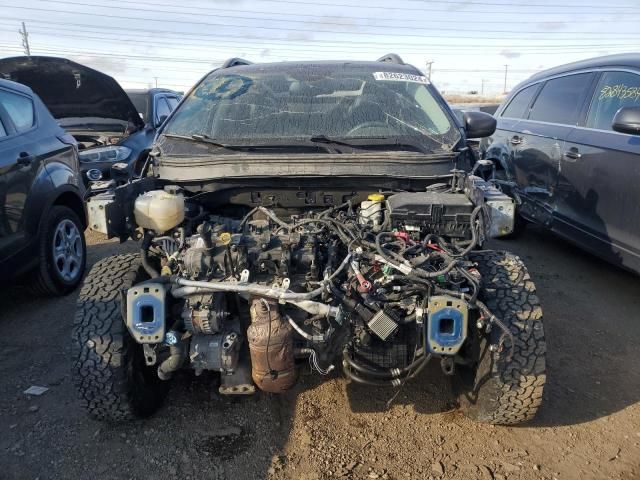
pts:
[310, 215]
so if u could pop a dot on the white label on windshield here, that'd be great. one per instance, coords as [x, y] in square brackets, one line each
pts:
[400, 77]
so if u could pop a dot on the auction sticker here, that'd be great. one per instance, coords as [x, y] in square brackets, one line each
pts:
[400, 77]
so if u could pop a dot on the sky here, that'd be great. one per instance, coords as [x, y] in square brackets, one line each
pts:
[469, 42]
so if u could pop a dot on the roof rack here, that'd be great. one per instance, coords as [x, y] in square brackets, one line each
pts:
[391, 58]
[234, 62]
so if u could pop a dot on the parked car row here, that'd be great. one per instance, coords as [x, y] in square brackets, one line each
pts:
[62, 126]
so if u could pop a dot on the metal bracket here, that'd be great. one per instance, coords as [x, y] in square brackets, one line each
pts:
[150, 357]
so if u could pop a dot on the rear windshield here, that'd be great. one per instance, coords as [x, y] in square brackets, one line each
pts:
[303, 101]
[141, 102]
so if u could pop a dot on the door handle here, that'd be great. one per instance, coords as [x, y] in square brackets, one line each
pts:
[572, 154]
[24, 159]
[515, 140]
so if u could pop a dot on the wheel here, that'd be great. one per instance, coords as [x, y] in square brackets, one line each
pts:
[109, 371]
[62, 253]
[494, 389]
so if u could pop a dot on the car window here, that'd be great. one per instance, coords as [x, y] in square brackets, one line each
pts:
[140, 100]
[614, 91]
[173, 102]
[561, 99]
[162, 108]
[19, 108]
[517, 108]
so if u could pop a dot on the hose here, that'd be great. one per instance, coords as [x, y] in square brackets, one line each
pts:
[384, 374]
[308, 336]
[395, 382]
[177, 355]
[144, 255]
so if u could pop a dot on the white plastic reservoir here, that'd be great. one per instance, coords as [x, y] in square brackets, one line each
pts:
[159, 210]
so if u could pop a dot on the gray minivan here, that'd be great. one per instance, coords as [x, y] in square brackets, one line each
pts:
[567, 147]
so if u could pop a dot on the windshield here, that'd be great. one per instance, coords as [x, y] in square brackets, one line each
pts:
[347, 102]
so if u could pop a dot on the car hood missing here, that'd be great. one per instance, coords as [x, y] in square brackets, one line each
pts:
[78, 97]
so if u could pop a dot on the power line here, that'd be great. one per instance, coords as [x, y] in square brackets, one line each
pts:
[262, 27]
[404, 27]
[180, 11]
[352, 43]
[200, 46]
[463, 3]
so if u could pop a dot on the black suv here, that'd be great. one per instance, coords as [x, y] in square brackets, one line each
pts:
[42, 217]
[568, 147]
[309, 213]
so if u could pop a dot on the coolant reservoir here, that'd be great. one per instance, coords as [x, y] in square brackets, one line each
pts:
[159, 210]
[371, 210]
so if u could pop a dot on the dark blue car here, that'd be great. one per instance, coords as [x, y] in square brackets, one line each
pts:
[110, 125]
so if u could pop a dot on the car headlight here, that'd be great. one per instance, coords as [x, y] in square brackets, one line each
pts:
[112, 153]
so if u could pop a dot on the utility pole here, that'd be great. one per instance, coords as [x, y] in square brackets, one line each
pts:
[482, 87]
[429, 64]
[156, 78]
[25, 40]
[506, 68]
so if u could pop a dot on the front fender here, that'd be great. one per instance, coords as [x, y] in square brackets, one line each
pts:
[54, 180]
[501, 155]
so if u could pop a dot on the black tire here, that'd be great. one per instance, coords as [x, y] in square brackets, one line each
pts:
[109, 370]
[497, 390]
[48, 279]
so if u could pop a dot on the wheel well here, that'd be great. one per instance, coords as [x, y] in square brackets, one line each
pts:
[72, 201]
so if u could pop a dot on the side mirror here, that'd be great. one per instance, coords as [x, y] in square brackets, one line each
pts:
[627, 120]
[161, 120]
[479, 124]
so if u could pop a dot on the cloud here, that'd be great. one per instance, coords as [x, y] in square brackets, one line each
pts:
[299, 36]
[506, 53]
[108, 65]
[552, 25]
[265, 53]
[337, 22]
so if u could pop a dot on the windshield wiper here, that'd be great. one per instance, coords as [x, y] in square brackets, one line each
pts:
[202, 139]
[331, 141]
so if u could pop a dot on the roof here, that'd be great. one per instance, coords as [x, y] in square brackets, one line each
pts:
[18, 87]
[327, 64]
[620, 60]
[150, 90]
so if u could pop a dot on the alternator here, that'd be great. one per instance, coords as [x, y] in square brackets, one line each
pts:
[205, 313]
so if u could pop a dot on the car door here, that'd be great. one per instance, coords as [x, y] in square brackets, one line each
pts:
[503, 145]
[18, 167]
[599, 202]
[540, 141]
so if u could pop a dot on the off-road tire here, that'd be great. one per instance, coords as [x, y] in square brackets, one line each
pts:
[45, 280]
[495, 389]
[109, 371]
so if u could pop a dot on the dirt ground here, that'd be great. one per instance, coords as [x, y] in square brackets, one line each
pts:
[588, 427]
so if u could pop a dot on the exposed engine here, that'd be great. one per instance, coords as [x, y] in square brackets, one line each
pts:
[378, 287]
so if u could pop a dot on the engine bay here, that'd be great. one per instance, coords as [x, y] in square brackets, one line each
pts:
[376, 285]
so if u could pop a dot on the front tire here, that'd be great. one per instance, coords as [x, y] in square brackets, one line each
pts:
[495, 389]
[110, 374]
[62, 252]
